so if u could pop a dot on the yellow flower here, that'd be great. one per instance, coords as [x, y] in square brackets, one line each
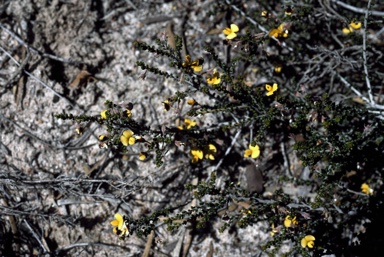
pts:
[231, 32]
[211, 150]
[308, 241]
[264, 13]
[215, 78]
[196, 155]
[129, 113]
[120, 228]
[355, 25]
[191, 102]
[253, 151]
[366, 189]
[279, 31]
[196, 65]
[189, 123]
[288, 11]
[274, 230]
[274, 33]
[102, 138]
[143, 156]
[346, 31]
[104, 114]
[351, 27]
[289, 222]
[271, 89]
[127, 138]
[278, 68]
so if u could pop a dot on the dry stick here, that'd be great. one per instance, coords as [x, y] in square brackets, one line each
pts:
[42, 242]
[234, 140]
[189, 236]
[19, 70]
[371, 100]
[356, 9]
[66, 248]
[148, 244]
[287, 164]
[131, 4]
[346, 83]
[12, 222]
[375, 106]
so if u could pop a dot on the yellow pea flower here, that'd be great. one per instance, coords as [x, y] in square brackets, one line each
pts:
[264, 13]
[274, 33]
[143, 156]
[288, 11]
[278, 68]
[189, 123]
[351, 27]
[253, 151]
[211, 150]
[366, 189]
[279, 31]
[196, 65]
[214, 79]
[271, 89]
[355, 25]
[191, 102]
[120, 228]
[273, 230]
[308, 240]
[102, 138]
[231, 32]
[103, 114]
[196, 155]
[289, 222]
[127, 138]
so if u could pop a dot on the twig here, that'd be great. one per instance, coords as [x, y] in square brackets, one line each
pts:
[131, 4]
[234, 140]
[19, 70]
[286, 159]
[42, 242]
[356, 9]
[371, 100]
[346, 83]
[66, 248]
[148, 245]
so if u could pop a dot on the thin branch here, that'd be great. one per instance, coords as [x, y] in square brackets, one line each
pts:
[371, 100]
[234, 140]
[42, 242]
[356, 9]
[357, 92]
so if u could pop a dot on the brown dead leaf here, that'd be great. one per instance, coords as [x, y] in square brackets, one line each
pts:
[82, 79]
